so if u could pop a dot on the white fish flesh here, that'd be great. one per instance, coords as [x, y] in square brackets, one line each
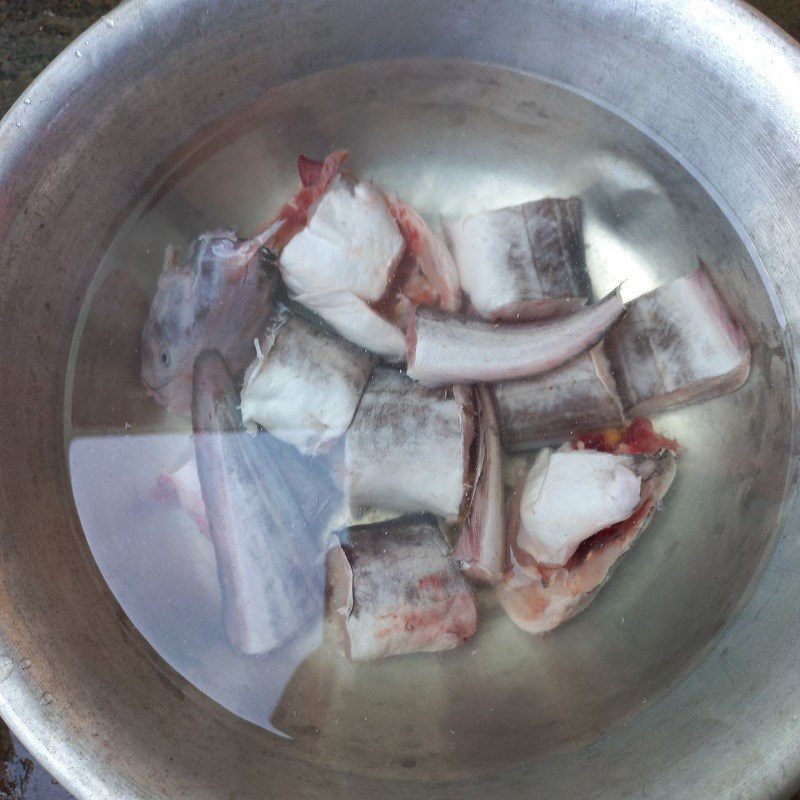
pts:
[569, 496]
[393, 588]
[482, 547]
[351, 243]
[361, 258]
[522, 262]
[270, 559]
[220, 298]
[346, 256]
[677, 344]
[451, 349]
[408, 447]
[552, 408]
[538, 598]
[304, 385]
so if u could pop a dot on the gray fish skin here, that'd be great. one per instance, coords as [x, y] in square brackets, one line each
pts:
[270, 560]
[408, 447]
[482, 548]
[677, 345]
[393, 588]
[554, 407]
[220, 298]
[523, 262]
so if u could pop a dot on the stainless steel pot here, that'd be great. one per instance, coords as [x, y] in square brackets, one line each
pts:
[710, 80]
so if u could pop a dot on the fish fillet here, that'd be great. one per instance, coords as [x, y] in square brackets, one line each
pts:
[522, 262]
[569, 496]
[482, 547]
[393, 588]
[538, 598]
[676, 345]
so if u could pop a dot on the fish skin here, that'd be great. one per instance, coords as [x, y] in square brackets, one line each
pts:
[408, 447]
[449, 349]
[522, 262]
[538, 600]
[482, 548]
[358, 322]
[305, 385]
[677, 345]
[549, 409]
[270, 560]
[218, 299]
[393, 588]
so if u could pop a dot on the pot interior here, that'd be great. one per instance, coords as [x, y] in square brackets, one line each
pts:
[451, 138]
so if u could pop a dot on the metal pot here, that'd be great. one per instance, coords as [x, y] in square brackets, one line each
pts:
[714, 84]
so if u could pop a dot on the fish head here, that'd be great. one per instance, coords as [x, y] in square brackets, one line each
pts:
[168, 334]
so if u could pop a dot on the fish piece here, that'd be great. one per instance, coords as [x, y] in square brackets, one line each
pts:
[304, 385]
[270, 560]
[351, 243]
[444, 350]
[358, 322]
[551, 408]
[408, 447]
[482, 546]
[343, 261]
[677, 344]
[219, 298]
[393, 588]
[431, 256]
[538, 599]
[568, 497]
[310, 479]
[523, 262]
[183, 485]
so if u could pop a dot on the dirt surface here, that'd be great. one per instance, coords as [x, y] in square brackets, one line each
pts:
[32, 33]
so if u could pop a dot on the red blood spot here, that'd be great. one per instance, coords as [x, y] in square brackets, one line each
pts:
[641, 439]
[638, 438]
